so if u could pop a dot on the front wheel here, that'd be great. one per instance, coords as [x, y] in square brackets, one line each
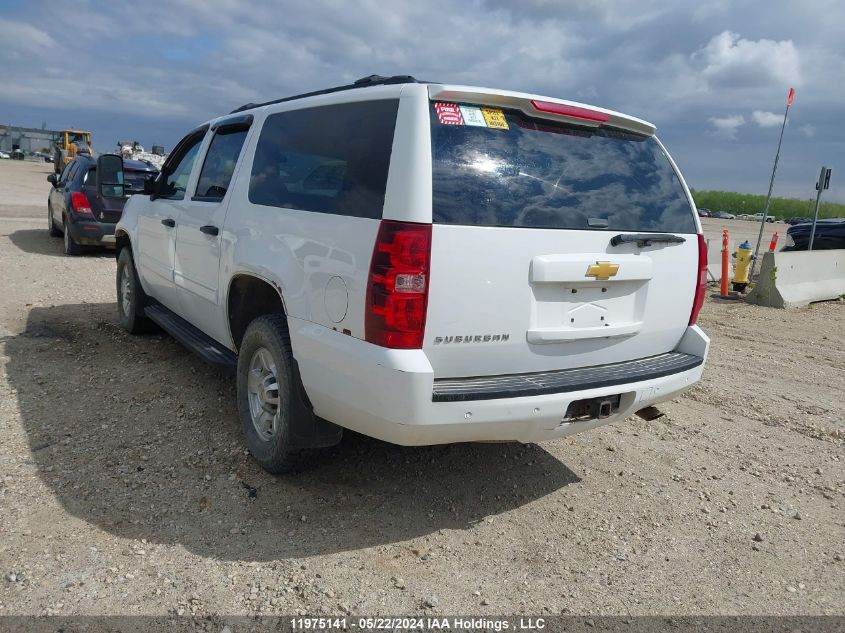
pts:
[131, 298]
[265, 379]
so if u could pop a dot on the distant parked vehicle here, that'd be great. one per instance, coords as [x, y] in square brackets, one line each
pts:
[798, 220]
[724, 215]
[830, 234]
[704, 213]
[84, 213]
[4, 156]
[17, 154]
[758, 217]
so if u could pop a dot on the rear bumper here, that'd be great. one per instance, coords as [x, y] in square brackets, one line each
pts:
[390, 394]
[90, 233]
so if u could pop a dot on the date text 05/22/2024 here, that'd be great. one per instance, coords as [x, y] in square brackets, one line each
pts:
[417, 624]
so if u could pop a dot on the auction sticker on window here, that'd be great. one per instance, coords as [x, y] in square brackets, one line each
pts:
[495, 118]
[449, 113]
[473, 116]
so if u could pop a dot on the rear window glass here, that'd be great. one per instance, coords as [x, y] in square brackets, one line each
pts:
[497, 167]
[331, 159]
[134, 180]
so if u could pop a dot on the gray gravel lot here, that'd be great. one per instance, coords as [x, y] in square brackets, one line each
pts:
[124, 487]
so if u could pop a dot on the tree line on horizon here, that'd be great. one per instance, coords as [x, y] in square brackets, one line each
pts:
[780, 208]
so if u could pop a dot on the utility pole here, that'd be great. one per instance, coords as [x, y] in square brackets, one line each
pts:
[771, 184]
[822, 184]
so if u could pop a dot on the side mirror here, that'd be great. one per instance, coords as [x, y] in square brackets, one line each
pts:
[53, 179]
[150, 185]
[110, 176]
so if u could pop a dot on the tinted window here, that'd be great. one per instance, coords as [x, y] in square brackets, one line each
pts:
[134, 180]
[219, 165]
[74, 167]
[534, 173]
[65, 172]
[332, 159]
[176, 181]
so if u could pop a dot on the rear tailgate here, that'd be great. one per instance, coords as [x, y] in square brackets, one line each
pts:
[524, 274]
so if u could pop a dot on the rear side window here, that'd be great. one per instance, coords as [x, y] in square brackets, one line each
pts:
[73, 168]
[219, 165]
[66, 172]
[496, 167]
[331, 159]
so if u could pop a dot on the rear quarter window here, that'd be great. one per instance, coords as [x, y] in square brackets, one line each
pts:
[330, 159]
[534, 173]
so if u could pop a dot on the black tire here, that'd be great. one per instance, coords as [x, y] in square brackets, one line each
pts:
[71, 247]
[273, 451]
[51, 226]
[130, 313]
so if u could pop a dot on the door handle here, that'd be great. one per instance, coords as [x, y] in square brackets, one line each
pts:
[209, 229]
[169, 222]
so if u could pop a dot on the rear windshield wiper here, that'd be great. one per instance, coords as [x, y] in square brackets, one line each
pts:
[645, 239]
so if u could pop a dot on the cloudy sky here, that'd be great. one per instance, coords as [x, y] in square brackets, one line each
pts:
[713, 76]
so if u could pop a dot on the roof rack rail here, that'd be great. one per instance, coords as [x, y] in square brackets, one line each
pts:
[364, 82]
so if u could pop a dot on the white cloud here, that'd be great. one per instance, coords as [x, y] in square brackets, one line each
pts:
[21, 39]
[766, 119]
[726, 127]
[808, 130]
[731, 61]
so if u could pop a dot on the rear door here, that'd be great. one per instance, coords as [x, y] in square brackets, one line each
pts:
[534, 262]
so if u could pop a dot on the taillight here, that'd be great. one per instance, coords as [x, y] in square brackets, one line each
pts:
[571, 111]
[80, 204]
[701, 284]
[397, 288]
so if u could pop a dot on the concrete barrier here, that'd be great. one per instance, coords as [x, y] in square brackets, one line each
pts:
[795, 278]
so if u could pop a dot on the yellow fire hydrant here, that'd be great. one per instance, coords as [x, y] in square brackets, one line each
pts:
[743, 258]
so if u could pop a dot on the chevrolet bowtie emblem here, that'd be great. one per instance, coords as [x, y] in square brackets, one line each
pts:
[602, 270]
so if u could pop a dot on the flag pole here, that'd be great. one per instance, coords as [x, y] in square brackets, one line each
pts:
[771, 184]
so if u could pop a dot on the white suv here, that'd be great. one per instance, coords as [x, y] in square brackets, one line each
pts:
[422, 263]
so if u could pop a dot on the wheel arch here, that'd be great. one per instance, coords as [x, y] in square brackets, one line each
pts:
[121, 241]
[249, 296]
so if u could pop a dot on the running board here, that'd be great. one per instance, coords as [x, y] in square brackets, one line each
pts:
[199, 343]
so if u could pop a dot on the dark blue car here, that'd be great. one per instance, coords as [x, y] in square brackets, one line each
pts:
[80, 213]
[830, 233]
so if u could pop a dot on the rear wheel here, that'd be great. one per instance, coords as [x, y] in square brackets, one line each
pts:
[72, 248]
[51, 226]
[131, 298]
[265, 394]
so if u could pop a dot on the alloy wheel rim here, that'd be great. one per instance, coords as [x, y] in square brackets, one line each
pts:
[263, 394]
[125, 292]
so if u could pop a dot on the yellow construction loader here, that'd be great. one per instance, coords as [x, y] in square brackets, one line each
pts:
[68, 145]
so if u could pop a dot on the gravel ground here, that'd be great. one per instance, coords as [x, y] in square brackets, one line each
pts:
[124, 487]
